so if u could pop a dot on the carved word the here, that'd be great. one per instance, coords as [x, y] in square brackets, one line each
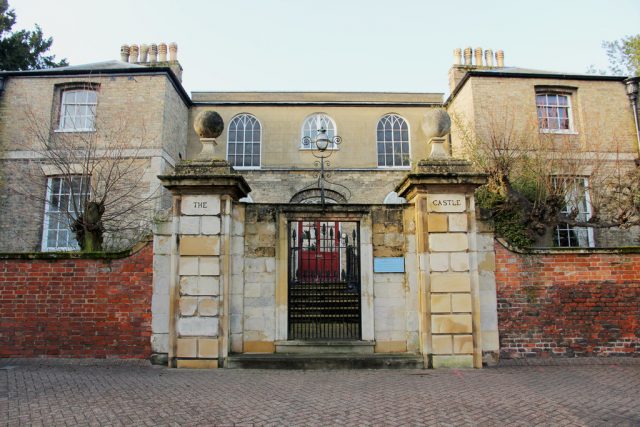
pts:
[199, 205]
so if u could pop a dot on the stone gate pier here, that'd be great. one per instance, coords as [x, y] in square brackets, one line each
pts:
[200, 261]
[442, 191]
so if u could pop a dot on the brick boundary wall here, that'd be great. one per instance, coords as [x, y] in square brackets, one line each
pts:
[560, 303]
[62, 305]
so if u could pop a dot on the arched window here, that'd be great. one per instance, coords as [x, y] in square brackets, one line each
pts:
[243, 141]
[393, 141]
[315, 122]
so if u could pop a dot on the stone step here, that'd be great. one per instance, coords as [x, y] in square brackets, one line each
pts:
[325, 347]
[325, 361]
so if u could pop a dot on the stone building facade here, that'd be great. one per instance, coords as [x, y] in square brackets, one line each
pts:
[258, 254]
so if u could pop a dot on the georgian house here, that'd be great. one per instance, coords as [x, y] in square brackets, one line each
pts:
[323, 223]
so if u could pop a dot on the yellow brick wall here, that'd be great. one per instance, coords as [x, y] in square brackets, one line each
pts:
[137, 102]
[601, 112]
[462, 111]
[282, 125]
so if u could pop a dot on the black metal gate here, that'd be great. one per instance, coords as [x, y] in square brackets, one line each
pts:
[324, 280]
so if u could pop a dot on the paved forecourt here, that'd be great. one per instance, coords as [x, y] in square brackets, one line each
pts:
[94, 392]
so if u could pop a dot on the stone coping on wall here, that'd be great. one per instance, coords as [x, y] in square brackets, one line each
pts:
[573, 250]
[56, 255]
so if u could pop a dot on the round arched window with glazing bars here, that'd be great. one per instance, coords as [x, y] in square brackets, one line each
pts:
[312, 125]
[392, 136]
[243, 141]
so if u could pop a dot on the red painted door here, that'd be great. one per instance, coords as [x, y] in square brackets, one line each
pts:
[319, 243]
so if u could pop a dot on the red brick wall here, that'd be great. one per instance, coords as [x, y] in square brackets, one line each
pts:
[76, 307]
[568, 304]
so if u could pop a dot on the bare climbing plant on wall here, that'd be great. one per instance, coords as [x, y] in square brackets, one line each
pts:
[541, 181]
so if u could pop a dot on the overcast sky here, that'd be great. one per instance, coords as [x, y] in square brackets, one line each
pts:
[342, 45]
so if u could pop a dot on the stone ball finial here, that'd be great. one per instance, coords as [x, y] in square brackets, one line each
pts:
[208, 124]
[436, 123]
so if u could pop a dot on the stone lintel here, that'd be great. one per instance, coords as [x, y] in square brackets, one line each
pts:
[206, 177]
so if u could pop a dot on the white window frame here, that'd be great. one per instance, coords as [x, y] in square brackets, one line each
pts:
[569, 107]
[580, 232]
[312, 124]
[406, 122]
[49, 213]
[65, 104]
[237, 118]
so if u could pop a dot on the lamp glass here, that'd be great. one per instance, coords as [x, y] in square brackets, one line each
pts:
[322, 142]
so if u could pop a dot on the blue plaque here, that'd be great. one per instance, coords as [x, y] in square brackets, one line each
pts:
[388, 265]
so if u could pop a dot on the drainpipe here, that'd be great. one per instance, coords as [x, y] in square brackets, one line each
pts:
[632, 93]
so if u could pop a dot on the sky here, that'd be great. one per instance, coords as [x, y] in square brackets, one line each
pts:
[333, 45]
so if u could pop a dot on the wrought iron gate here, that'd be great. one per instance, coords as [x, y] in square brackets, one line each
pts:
[324, 280]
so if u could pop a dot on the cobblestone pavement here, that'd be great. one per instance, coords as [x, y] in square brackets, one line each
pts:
[82, 392]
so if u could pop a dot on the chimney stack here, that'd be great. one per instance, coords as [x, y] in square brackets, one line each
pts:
[472, 60]
[124, 53]
[153, 55]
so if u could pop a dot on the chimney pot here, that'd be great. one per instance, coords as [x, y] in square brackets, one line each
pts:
[173, 51]
[124, 53]
[153, 53]
[478, 54]
[144, 50]
[467, 56]
[500, 58]
[162, 52]
[488, 58]
[133, 53]
[457, 56]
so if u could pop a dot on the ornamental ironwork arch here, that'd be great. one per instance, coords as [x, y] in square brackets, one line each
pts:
[314, 195]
